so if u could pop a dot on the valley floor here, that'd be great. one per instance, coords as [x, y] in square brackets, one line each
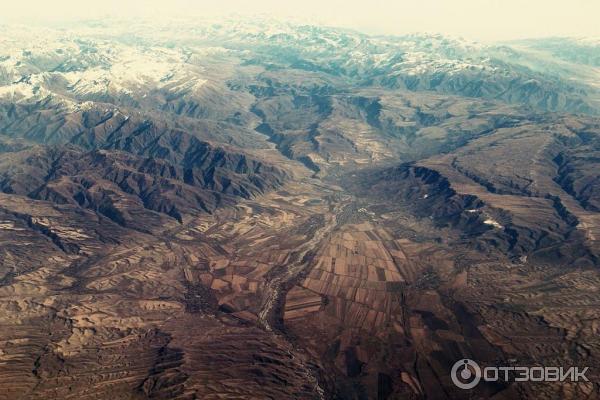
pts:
[311, 292]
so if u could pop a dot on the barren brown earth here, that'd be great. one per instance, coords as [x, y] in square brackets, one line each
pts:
[262, 223]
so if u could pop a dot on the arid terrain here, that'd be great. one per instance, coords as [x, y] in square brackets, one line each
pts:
[262, 210]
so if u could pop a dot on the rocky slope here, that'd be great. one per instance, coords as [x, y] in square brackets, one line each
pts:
[257, 209]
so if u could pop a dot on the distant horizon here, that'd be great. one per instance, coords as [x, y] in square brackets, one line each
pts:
[475, 20]
[61, 24]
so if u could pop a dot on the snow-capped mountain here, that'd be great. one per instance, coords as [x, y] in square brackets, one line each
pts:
[259, 209]
[125, 65]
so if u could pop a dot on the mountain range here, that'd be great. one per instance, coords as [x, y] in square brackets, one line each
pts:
[200, 209]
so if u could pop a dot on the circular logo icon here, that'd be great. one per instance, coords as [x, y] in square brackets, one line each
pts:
[465, 374]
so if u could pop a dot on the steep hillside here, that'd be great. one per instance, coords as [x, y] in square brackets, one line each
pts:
[211, 209]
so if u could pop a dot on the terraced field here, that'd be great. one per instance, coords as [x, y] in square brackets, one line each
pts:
[226, 211]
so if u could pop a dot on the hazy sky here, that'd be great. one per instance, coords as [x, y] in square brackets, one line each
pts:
[474, 19]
